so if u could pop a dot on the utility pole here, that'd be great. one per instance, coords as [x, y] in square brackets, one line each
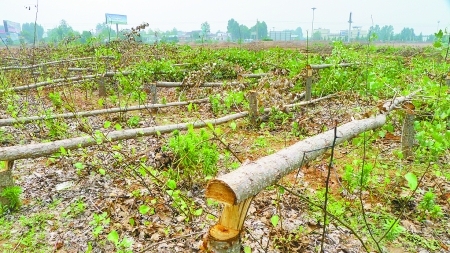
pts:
[312, 23]
[350, 27]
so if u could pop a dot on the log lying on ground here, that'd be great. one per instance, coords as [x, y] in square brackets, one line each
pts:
[81, 69]
[253, 75]
[59, 80]
[24, 120]
[236, 188]
[53, 62]
[40, 84]
[43, 149]
[324, 66]
[107, 74]
[180, 84]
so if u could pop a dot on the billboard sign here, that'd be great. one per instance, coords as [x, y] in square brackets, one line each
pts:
[11, 27]
[116, 19]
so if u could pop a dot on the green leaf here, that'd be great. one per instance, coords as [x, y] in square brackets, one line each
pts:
[142, 171]
[113, 236]
[275, 220]
[132, 222]
[233, 125]
[107, 124]
[412, 180]
[118, 126]
[79, 165]
[102, 171]
[172, 184]
[190, 107]
[198, 212]
[143, 209]
[63, 151]
[247, 249]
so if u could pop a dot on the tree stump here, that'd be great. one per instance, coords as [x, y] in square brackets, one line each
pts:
[6, 179]
[408, 132]
[254, 107]
[101, 87]
[308, 83]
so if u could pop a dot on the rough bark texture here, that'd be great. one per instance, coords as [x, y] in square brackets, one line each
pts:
[48, 148]
[24, 120]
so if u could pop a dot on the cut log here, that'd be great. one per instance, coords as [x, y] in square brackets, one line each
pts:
[80, 69]
[180, 84]
[40, 84]
[252, 75]
[250, 179]
[24, 120]
[254, 107]
[53, 63]
[243, 184]
[48, 148]
[59, 80]
[408, 132]
[324, 66]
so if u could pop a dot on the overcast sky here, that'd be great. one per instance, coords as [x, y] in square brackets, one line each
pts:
[186, 15]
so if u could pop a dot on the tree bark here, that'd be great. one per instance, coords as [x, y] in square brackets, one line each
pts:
[238, 187]
[249, 179]
[324, 66]
[48, 148]
[180, 84]
[52, 63]
[24, 120]
[253, 75]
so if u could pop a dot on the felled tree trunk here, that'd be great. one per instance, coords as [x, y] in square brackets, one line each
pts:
[236, 189]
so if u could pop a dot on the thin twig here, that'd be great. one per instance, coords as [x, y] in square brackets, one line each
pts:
[327, 182]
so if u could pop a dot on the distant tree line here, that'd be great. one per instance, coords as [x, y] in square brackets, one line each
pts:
[32, 32]
[386, 33]
[241, 32]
